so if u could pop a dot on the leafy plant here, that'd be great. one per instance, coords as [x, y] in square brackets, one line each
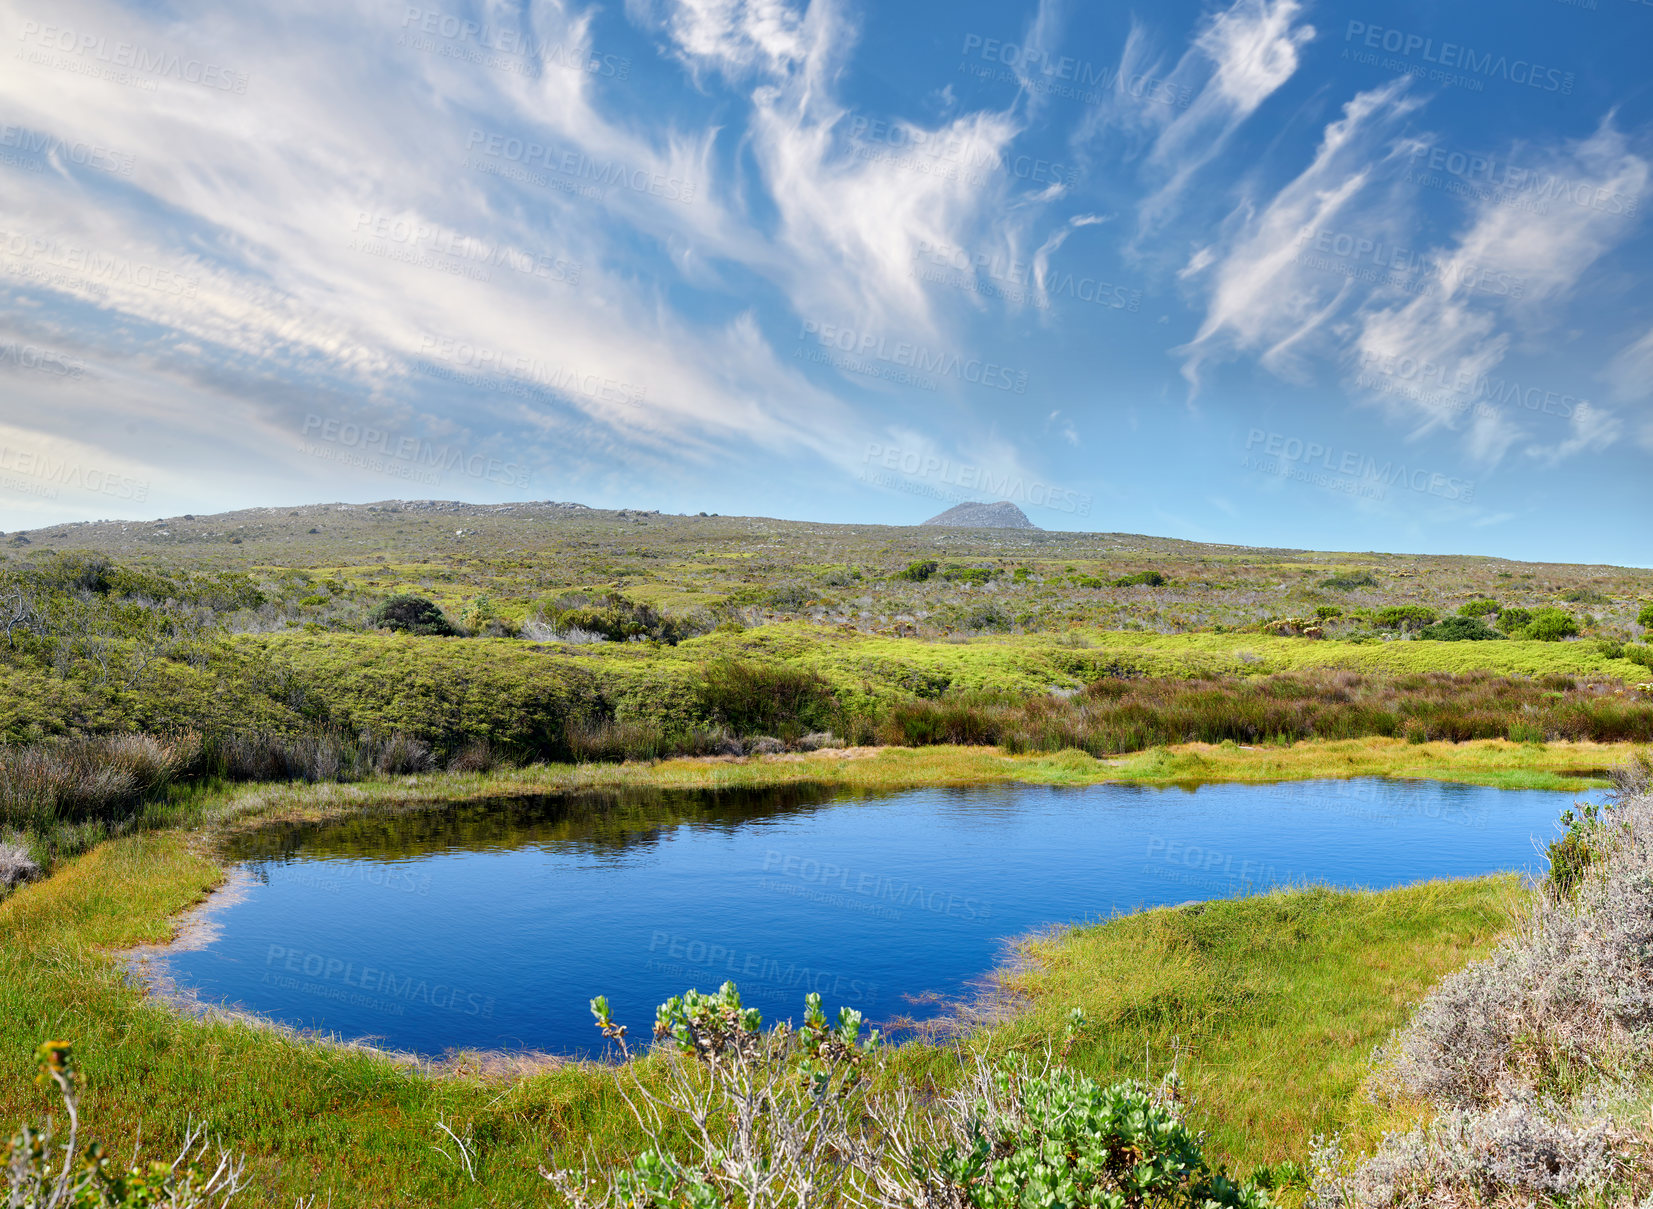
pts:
[1149, 579]
[1514, 619]
[1550, 625]
[1460, 629]
[1478, 608]
[789, 1118]
[1645, 617]
[918, 571]
[413, 615]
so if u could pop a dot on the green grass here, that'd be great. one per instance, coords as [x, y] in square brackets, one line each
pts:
[1270, 1005]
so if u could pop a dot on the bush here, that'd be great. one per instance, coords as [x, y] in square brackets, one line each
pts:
[1510, 1058]
[806, 1123]
[917, 572]
[958, 573]
[1327, 612]
[412, 615]
[1404, 617]
[1645, 617]
[1585, 596]
[1460, 629]
[16, 865]
[1478, 608]
[1148, 579]
[1349, 581]
[1550, 625]
[613, 617]
[753, 698]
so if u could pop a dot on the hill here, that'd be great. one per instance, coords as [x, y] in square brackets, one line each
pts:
[1002, 515]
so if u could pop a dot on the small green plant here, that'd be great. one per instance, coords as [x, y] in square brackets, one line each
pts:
[918, 572]
[1478, 608]
[1645, 617]
[1578, 848]
[1513, 620]
[1327, 612]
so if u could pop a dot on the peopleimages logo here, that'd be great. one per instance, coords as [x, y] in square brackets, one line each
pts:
[167, 64]
[915, 357]
[329, 973]
[1306, 457]
[1451, 56]
[416, 451]
[577, 164]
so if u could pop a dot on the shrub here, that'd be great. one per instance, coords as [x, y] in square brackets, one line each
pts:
[1585, 595]
[613, 617]
[1550, 625]
[804, 1123]
[412, 615]
[917, 572]
[1327, 612]
[1645, 617]
[768, 698]
[1640, 654]
[957, 573]
[1478, 608]
[1512, 620]
[1510, 1057]
[16, 865]
[1460, 629]
[1404, 617]
[1148, 579]
[1349, 581]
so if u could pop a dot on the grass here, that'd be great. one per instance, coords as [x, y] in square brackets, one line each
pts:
[1271, 1005]
[1496, 763]
[1274, 1000]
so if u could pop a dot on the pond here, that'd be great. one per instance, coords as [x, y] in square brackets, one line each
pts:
[491, 925]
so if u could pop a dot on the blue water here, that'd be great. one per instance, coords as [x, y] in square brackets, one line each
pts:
[492, 926]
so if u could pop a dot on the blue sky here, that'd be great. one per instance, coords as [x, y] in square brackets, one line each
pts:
[1271, 272]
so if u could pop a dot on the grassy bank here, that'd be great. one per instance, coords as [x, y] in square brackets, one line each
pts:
[1274, 1000]
[1495, 763]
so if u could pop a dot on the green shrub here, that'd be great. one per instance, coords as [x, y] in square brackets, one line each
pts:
[1645, 617]
[613, 616]
[1460, 629]
[1478, 608]
[1144, 579]
[1349, 581]
[766, 698]
[1584, 596]
[1511, 620]
[412, 615]
[1550, 625]
[1573, 854]
[919, 571]
[1327, 612]
[969, 575]
[1404, 617]
[1640, 654]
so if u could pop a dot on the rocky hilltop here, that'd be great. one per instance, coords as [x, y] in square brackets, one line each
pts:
[1002, 515]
